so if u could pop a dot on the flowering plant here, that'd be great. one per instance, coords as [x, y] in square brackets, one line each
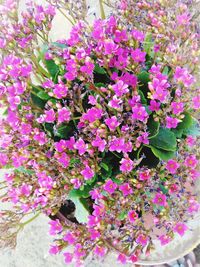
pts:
[101, 129]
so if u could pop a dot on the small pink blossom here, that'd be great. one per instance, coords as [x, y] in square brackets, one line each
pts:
[171, 122]
[172, 166]
[80, 146]
[164, 239]
[154, 106]
[63, 115]
[138, 35]
[190, 140]
[95, 194]
[100, 251]
[94, 234]
[180, 228]
[142, 240]
[54, 249]
[133, 258]
[142, 139]
[93, 114]
[112, 123]
[87, 173]
[139, 113]
[87, 68]
[126, 189]
[120, 88]
[133, 216]
[191, 161]
[76, 182]
[126, 165]
[115, 102]
[183, 19]
[55, 227]
[137, 55]
[110, 186]
[145, 175]
[177, 107]
[196, 102]
[49, 116]
[92, 100]
[79, 251]
[160, 199]
[117, 144]
[99, 143]
[70, 238]
[122, 258]
[60, 90]
[194, 174]
[68, 257]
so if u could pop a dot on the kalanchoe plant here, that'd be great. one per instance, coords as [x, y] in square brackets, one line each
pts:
[100, 131]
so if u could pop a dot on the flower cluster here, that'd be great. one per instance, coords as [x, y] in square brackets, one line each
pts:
[100, 130]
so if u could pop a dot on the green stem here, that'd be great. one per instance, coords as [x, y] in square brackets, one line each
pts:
[103, 16]
[31, 219]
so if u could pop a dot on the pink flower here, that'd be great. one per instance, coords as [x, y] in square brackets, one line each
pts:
[154, 106]
[180, 228]
[196, 102]
[55, 227]
[100, 143]
[142, 240]
[122, 258]
[76, 182]
[145, 175]
[3, 159]
[87, 68]
[100, 251]
[182, 75]
[191, 161]
[133, 216]
[93, 114]
[69, 237]
[63, 159]
[194, 174]
[183, 19]
[171, 122]
[54, 249]
[112, 123]
[93, 221]
[60, 90]
[117, 144]
[49, 116]
[115, 102]
[94, 234]
[126, 165]
[133, 258]
[60, 146]
[126, 189]
[68, 257]
[80, 146]
[160, 199]
[139, 113]
[110, 186]
[120, 88]
[79, 251]
[137, 35]
[164, 239]
[172, 166]
[87, 173]
[190, 140]
[95, 194]
[142, 139]
[45, 181]
[177, 107]
[92, 100]
[138, 56]
[63, 115]
[193, 206]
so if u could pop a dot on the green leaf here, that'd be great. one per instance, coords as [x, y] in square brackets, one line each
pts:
[52, 68]
[164, 189]
[57, 44]
[104, 166]
[23, 170]
[194, 129]
[186, 123]
[82, 210]
[143, 77]
[165, 140]
[122, 215]
[166, 70]
[99, 85]
[178, 132]
[43, 95]
[153, 127]
[162, 154]
[99, 69]
[65, 131]
[38, 101]
[142, 97]
[148, 43]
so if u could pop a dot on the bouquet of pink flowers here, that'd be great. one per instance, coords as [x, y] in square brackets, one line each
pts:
[100, 130]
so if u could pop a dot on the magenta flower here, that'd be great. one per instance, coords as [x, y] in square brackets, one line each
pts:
[138, 56]
[92, 100]
[145, 175]
[139, 113]
[194, 174]
[142, 139]
[183, 19]
[55, 227]
[160, 199]
[80, 146]
[99, 143]
[93, 114]
[87, 173]
[122, 258]
[45, 181]
[54, 249]
[154, 106]
[133, 258]
[126, 165]
[60, 90]
[191, 140]
[60, 146]
[126, 189]
[138, 35]
[100, 251]
[95, 194]
[79, 251]
[94, 234]
[63, 159]
[180, 228]
[110, 186]
[69, 237]
[142, 240]
[49, 116]
[117, 144]
[164, 239]
[196, 102]
[87, 68]
[120, 88]
[115, 103]
[63, 115]
[191, 161]
[172, 166]
[112, 123]
[68, 257]
[133, 216]
[76, 182]
[177, 107]
[171, 122]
